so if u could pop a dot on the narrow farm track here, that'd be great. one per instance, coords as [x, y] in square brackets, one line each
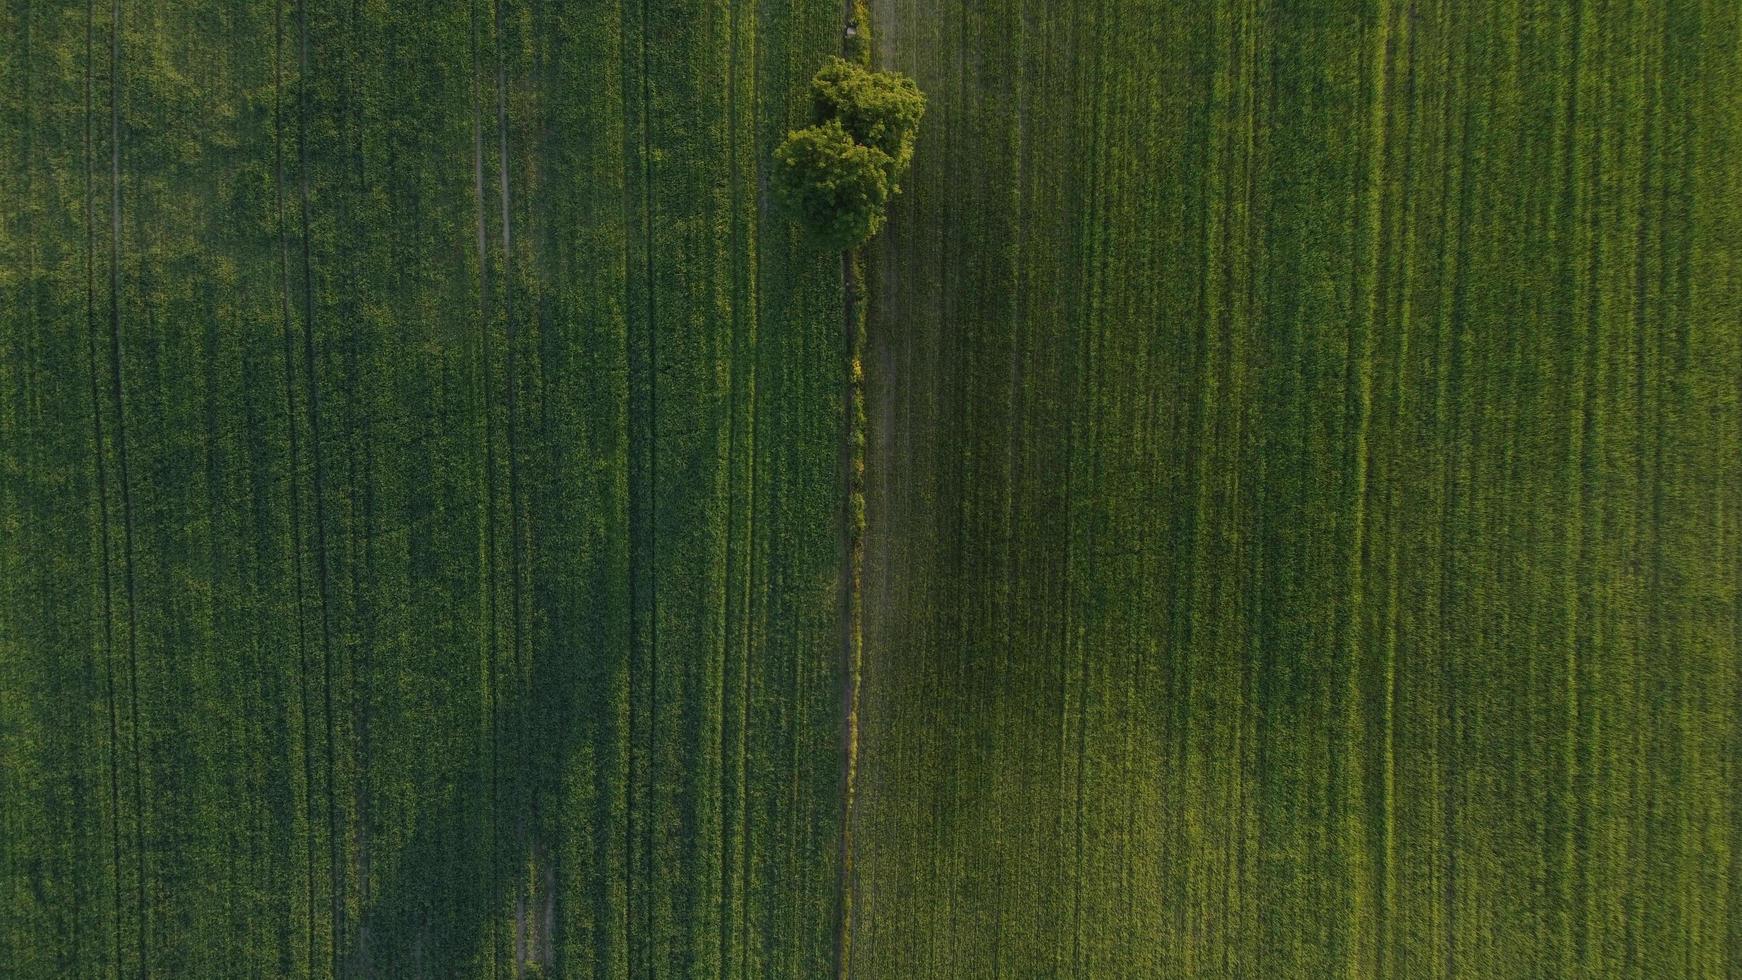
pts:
[418, 510]
[1305, 494]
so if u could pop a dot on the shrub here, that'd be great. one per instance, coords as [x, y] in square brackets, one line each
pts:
[833, 185]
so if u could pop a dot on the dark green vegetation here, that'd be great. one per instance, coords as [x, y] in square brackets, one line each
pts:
[418, 524]
[833, 186]
[1305, 494]
[835, 177]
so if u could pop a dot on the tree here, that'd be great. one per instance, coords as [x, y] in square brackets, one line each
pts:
[835, 186]
[881, 109]
[836, 176]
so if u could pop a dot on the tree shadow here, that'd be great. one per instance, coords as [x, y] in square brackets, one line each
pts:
[482, 884]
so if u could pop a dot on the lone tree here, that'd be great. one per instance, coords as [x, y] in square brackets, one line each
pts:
[833, 185]
[881, 109]
[836, 176]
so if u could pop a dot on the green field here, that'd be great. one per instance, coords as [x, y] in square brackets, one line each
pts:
[1303, 494]
[1306, 494]
[418, 539]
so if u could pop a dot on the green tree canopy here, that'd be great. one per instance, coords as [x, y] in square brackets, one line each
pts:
[837, 175]
[835, 186]
[880, 109]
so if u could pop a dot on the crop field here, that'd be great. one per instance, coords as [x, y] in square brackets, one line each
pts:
[418, 530]
[1302, 493]
[1305, 494]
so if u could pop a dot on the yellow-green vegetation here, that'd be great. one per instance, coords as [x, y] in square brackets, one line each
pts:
[881, 109]
[835, 177]
[834, 186]
[1305, 493]
[418, 509]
